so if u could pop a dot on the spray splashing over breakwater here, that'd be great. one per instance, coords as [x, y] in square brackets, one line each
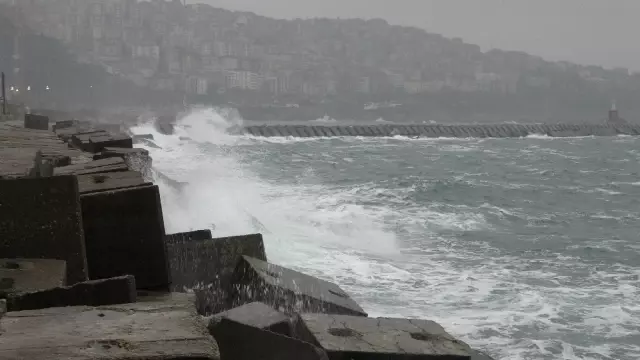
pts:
[525, 248]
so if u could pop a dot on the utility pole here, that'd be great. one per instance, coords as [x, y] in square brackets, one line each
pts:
[4, 97]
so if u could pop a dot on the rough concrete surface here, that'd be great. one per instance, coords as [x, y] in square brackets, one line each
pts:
[110, 181]
[197, 235]
[257, 315]
[119, 290]
[208, 267]
[162, 328]
[23, 275]
[353, 337]
[243, 342]
[124, 232]
[288, 290]
[94, 167]
[41, 218]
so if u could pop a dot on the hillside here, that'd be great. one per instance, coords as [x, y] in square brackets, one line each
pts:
[326, 66]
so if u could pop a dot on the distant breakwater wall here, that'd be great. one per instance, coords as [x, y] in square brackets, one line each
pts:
[443, 131]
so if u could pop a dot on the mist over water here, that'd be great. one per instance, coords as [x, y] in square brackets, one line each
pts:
[525, 248]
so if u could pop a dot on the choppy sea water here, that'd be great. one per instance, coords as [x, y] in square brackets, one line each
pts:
[524, 248]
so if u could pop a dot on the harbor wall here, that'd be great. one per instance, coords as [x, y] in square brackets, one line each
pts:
[443, 131]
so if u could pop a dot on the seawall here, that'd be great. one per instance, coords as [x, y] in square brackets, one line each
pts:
[443, 131]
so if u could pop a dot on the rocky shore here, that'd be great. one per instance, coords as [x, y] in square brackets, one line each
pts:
[87, 270]
[442, 131]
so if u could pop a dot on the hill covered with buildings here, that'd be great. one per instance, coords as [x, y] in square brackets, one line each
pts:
[327, 66]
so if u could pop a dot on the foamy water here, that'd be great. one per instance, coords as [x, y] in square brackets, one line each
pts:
[525, 248]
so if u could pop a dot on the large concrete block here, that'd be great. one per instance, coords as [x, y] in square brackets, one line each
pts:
[41, 218]
[208, 266]
[287, 290]
[257, 315]
[100, 142]
[119, 290]
[93, 167]
[124, 232]
[359, 338]
[243, 342]
[190, 236]
[36, 122]
[160, 328]
[65, 124]
[110, 181]
[23, 275]
[136, 159]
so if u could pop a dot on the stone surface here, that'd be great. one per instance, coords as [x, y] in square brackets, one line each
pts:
[36, 122]
[243, 342]
[21, 275]
[110, 181]
[18, 147]
[93, 167]
[119, 290]
[98, 143]
[65, 124]
[110, 152]
[190, 236]
[257, 315]
[353, 337]
[41, 218]
[162, 327]
[208, 266]
[124, 232]
[288, 290]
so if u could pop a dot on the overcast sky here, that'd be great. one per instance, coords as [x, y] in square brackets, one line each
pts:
[600, 32]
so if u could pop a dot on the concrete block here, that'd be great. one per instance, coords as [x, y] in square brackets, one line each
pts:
[93, 167]
[124, 232]
[197, 235]
[98, 143]
[136, 159]
[81, 139]
[36, 122]
[22, 275]
[41, 218]
[257, 315]
[111, 152]
[243, 342]
[160, 328]
[110, 181]
[352, 337]
[313, 131]
[208, 266]
[119, 290]
[287, 290]
[65, 124]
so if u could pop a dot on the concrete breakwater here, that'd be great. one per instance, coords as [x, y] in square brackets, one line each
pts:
[87, 270]
[442, 131]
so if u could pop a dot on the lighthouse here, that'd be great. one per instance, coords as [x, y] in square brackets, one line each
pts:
[614, 116]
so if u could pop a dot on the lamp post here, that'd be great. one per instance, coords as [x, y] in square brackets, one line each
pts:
[4, 97]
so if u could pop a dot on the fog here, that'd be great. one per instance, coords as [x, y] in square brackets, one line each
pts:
[584, 31]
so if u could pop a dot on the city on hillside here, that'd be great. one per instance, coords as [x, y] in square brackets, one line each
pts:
[205, 52]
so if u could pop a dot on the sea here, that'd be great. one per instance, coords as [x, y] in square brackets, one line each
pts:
[524, 248]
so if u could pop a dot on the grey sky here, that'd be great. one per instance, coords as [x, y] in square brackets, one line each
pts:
[601, 32]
